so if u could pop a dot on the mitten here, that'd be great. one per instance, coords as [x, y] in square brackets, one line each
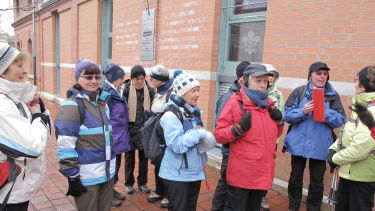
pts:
[331, 153]
[242, 126]
[275, 114]
[207, 142]
[75, 187]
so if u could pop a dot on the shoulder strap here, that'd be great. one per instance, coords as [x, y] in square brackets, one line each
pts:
[169, 92]
[241, 104]
[301, 94]
[81, 108]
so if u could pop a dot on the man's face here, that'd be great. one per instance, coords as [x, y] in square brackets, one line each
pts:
[259, 83]
[138, 81]
[319, 78]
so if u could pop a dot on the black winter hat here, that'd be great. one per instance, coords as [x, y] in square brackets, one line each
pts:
[317, 66]
[136, 71]
[241, 68]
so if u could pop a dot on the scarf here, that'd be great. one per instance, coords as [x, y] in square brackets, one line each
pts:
[132, 101]
[195, 111]
[258, 97]
[18, 91]
[93, 96]
[165, 87]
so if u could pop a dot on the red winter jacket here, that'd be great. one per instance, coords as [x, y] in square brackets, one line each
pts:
[252, 156]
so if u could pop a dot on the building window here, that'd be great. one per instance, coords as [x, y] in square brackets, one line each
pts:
[107, 28]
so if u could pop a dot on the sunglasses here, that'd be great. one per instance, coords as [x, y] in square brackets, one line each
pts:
[90, 77]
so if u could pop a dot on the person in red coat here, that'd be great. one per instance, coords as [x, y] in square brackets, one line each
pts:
[251, 124]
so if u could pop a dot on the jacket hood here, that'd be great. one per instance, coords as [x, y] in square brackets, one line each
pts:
[365, 98]
[18, 91]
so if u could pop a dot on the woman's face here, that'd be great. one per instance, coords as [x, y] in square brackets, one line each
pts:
[358, 87]
[89, 83]
[15, 72]
[192, 96]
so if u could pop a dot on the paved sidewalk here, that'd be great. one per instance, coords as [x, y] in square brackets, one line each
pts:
[51, 196]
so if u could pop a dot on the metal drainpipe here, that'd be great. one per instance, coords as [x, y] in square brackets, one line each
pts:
[33, 43]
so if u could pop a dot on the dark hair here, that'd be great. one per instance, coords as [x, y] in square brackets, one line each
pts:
[241, 68]
[91, 70]
[367, 78]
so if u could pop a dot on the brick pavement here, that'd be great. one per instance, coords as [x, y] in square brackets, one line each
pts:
[51, 196]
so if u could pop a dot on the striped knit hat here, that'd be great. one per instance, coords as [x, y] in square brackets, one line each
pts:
[7, 55]
[183, 82]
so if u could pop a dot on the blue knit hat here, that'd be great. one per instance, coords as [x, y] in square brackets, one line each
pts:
[80, 65]
[183, 82]
[113, 72]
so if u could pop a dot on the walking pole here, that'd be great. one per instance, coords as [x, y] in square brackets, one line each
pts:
[335, 178]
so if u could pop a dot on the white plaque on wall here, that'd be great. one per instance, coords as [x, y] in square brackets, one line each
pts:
[148, 29]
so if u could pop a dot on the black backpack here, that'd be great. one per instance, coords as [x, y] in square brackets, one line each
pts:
[152, 136]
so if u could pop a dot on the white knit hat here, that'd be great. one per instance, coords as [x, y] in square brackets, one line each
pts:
[7, 55]
[183, 82]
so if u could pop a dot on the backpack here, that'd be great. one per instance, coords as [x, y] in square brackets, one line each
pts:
[152, 136]
[8, 169]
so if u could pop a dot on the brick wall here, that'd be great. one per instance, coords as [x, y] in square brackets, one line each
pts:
[298, 33]
[66, 73]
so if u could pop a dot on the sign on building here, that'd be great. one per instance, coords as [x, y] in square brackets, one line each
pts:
[148, 29]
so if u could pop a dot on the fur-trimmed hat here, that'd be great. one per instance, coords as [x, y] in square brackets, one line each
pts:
[7, 55]
[183, 82]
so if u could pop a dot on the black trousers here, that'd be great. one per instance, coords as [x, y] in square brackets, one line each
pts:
[220, 195]
[314, 198]
[240, 199]
[355, 196]
[183, 196]
[129, 168]
[118, 165]
[17, 207]
[159, 184]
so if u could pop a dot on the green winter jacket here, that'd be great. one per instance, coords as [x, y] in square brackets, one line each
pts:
[277, 97]
[357, 158]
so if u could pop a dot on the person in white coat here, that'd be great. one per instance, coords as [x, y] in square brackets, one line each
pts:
[24, 129]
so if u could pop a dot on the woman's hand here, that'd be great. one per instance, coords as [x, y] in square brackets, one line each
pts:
[308, 107]
[34, 106]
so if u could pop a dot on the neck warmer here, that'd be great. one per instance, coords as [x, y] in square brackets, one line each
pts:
[92, 95]
[258, 97]
[165, 87]
[18, 91]
[195, 111]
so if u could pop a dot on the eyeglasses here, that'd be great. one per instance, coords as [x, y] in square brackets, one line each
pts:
[90, 77]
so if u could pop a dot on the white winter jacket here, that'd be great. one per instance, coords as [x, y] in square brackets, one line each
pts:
[22, 137]
[159, 101]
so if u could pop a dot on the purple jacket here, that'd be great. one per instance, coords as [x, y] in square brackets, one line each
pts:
[119, 120]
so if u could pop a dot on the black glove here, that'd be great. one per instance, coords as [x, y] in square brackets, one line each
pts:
[331, 152]
[275, 114]
[75, 187]
[42, 106]
[364, 115]
[245, 121]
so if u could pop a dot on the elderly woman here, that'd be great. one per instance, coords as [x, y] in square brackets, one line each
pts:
[182, 167]
[251, 124]
[84, 143]
[354, 152]
[24, 129]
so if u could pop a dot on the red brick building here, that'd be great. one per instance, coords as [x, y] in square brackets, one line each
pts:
[208, 38]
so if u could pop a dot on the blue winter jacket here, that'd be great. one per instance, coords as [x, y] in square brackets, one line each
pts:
[181, 139]
[85, 149]
[309, 138]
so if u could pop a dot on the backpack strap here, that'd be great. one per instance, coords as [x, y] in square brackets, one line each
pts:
[81, 108]
[169, 92]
